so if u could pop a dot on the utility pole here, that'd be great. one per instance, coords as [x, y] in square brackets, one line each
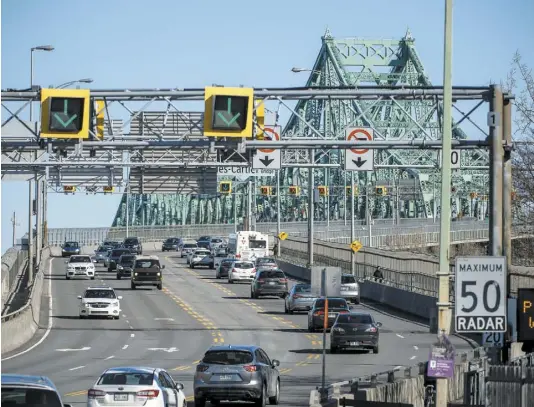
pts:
[444, 312]
[30, 231]
[278, 227]
[352, 226]
[249, 206]
[15, 224]
[311, 205]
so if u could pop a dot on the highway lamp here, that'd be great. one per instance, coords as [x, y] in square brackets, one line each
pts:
[47, 48]
[67, 84]
[299, 70]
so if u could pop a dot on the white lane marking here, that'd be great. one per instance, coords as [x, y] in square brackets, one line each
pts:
[125, 347]
[73, 350]
[131, 327]
[400, 336]
[416, 347]
[77, 367]
[163, 319]
[109, 357]
[50, 318]
[168, 350]
[132, 335]
[124, 316]
[413, 357]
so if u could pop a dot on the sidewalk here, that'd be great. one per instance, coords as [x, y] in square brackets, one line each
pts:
[19, 294]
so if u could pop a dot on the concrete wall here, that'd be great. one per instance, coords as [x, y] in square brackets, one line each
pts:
[8, 260]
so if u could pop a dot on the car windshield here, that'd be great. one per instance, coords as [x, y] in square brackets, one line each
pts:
[71, 244]
[108, 243]
[119, 252]
[257, 244]
[272, 274]
[266, 260]
[355, 319]
[28, 397]
[102, 249]
[204, 238]
[99, 294]
[348, 280]
[130, 241]
[203, 243]
[146, 264]
[127, 258]
[128, 379]
[216, 240]
[80, 259]
[303, 288]
[225, 357]
[332, 303]
[243, 265]
[190, 245]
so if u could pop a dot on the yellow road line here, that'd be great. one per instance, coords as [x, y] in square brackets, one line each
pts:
[76, 393]
[182, 368]
[190, 398]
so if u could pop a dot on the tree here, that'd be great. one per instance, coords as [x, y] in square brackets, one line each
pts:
[520, 82]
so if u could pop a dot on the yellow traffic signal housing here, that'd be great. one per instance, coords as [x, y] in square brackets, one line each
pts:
[69, 189]
[381, 191]
[225, 187]
[294, 190]
[323, 190]
[260, 118]
[65, 113]
[99, 108]
[266, 190]
[355, 190]
[228, 112]
[108, 189]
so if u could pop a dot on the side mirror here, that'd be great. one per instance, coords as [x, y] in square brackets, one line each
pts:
[119, 297]
[79, 297]
[378, 324]
[163, 266]
[275, 363]
[179, 386]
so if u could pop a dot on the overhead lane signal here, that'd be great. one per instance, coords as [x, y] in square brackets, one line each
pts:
[69, 189]
[323, 190]
[381, 191]
[228, 112]
[294, 190]
[348, 188]
[65, 113]
[225, 187]
[266, 190]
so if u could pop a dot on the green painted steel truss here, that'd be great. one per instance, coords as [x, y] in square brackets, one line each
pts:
[411, 177]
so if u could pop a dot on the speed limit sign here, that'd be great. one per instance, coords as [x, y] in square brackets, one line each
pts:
[481, 296]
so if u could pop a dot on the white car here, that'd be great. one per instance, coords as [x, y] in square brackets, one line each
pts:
[242, 271]
[202, 257]
[100, 301]
[80, 266]
[187, 248]
[136, 386]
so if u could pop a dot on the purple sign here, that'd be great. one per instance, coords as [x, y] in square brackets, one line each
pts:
[441, 359]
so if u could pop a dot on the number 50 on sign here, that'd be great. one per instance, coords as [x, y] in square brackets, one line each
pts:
[481, 296]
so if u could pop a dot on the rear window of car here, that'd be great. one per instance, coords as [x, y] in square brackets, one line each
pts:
[233, 357]
[171, 240]
[332, 303]
[131, 241]
[243, 265]
[227, 263]
[354, 319]
[127, 257]
[190, 245]
[14, 396]
[348, 280]
[216, 240]
[80, 259]
[71, 244]
[202, 252]
[265, 260]
[272, 274]
[117, 253]
[303, 289]
[128, 379]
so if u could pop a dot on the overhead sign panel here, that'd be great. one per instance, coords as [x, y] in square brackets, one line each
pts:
[244, 172]
[65, 113]
[525, 314]
[359, 159]
[332, 281]
[228, 112]
[268, 158]
[480, 303]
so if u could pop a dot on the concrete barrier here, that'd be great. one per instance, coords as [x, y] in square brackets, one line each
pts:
[12, 260]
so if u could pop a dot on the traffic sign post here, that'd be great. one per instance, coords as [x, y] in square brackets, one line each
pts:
[493, 339]
[356, 246]
[480, 301]
[268, 158]
[359, 159]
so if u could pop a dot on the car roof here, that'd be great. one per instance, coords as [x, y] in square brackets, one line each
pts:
[100, 288]
[218, 348]
[27, 380]
[131, 369]
[358, 313]
[331, 298]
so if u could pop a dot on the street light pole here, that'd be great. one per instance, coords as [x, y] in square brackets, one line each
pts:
[46, 48]
[67, 84]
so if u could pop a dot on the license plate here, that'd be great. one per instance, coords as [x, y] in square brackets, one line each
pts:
[331, 315]
[120, 397]
[225, 377]
[355, 344]
[272, 283]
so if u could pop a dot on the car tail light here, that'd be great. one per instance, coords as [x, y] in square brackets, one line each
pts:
[319, 313]
[283, 280]
[95, 393]
[261, 280]
[151, 394]
[250, 368]
[253, 270]
[202, 368]
[238, 256]
[372, 329]
[344, 312]
[297, 296]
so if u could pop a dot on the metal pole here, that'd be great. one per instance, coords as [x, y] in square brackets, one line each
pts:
[37, 221]
[278, 228]
[507, 200]
[443, 303]
[127, 210]
[235, 212]
[324, 391]
[249, 206]
[14, 222]
[327, 184]
[369, 217]
[30, 231]
[496, 171]
[345, 198]
[352, 226]
[31, 83]
[45, 217]
[310, 209]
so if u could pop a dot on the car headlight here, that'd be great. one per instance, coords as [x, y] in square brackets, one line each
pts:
[158, 274]
[119, 267]
[87, 305]
[115, 304]
[135, 274]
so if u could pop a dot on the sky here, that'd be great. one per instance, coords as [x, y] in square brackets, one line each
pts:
[171, 43]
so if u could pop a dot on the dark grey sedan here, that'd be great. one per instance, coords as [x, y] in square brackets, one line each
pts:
[224, 267]
[237, 373]
[316, 315]
[356, 330]
[300, 298]
[269, 282]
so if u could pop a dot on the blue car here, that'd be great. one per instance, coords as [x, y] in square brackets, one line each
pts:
[70, 249]
[25, 390]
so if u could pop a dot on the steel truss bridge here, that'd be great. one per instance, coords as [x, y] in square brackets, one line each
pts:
[154, 153]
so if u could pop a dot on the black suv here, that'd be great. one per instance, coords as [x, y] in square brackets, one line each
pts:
[269, 282]
[147, 271]
[125, 265]
[134, 244]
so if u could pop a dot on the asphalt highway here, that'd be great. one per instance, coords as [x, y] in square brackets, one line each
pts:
[173, 328]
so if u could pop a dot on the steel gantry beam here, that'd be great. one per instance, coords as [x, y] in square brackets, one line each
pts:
[153, 149]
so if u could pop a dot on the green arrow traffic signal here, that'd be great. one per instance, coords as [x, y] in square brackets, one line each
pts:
[66, 114]
[230, 112]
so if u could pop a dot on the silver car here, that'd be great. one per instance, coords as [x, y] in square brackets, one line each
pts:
[237, 373]
[300, 298]
[187, 248]
[350, 289]
[101, 254]
[202, 257]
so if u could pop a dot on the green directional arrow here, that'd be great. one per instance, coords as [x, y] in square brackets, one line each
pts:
[68, 119]
[230, 121]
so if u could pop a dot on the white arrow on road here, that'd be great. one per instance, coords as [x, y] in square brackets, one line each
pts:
[168, 350]
[73, 350]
